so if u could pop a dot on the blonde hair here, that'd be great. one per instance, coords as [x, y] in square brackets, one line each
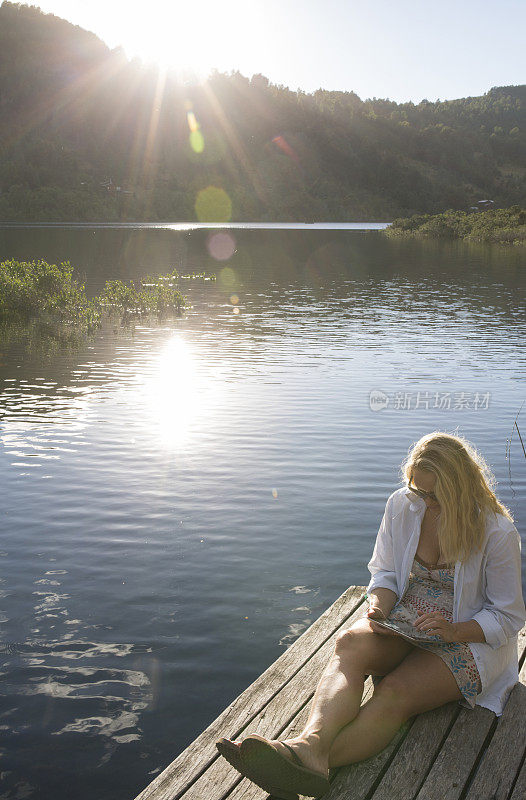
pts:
[464, 489]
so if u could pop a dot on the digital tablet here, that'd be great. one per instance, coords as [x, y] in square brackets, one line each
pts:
[409, 633]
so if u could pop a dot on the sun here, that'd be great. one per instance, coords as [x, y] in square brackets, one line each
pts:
[176, 40]
[190, 37]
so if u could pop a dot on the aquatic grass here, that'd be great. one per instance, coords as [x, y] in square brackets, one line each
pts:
[191, 276]
[149, 295]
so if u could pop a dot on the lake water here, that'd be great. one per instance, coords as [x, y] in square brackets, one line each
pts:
[181, 500]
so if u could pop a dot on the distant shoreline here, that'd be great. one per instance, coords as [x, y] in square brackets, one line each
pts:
[499, 226]
[355, 226]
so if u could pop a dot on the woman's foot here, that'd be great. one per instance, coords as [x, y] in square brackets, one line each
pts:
[305, 752]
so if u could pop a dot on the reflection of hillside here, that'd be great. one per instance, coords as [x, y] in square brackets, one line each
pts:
[100, 254]
[327, 286]
[261, 256]
[38, 340]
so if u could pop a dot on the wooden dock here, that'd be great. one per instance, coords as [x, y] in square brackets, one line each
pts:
[450, 753]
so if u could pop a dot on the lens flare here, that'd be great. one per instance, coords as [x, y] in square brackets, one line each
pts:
[221, 246]
[283, 145]
[196, 138]
[192, 122]
[213, 205]
[227, 277]
[197, 142]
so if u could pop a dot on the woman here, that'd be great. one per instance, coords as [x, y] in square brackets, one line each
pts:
[445, 606]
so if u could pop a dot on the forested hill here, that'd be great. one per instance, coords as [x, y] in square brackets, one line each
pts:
[88, 135]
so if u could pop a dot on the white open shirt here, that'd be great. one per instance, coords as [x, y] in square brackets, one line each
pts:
[487, 588]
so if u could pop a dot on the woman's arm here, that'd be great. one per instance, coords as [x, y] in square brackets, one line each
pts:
[469, 631]
[503, 614]
[381, 600]
[381, 566]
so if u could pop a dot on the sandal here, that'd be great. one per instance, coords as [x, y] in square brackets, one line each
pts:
[261, 758]
[232, 753]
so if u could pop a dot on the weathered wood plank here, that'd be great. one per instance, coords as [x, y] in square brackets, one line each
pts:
[519, 790]
[501, 761]
[359, 780]
[195, 760]
[452, 767]
[416, 756]
[521, 646]
[275, 719]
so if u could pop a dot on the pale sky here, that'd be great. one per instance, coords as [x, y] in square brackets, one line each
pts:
[397, 49]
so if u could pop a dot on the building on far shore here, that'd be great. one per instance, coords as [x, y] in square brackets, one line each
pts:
[482, 205]
[112, 188]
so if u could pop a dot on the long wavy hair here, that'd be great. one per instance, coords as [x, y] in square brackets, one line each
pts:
[464, 489]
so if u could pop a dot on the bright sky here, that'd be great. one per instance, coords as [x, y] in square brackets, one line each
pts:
[400, 49]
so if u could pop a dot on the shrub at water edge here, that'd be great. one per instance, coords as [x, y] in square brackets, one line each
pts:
[37, 290]
[500, 226]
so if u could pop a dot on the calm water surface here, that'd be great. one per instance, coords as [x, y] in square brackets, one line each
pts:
[182, 499]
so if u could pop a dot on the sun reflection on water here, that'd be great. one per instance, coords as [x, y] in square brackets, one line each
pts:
[178, 394]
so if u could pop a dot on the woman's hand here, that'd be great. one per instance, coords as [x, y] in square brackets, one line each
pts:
[376, 613]
[434, 623]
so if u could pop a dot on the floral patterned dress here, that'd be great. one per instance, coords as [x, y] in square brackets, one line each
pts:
[431, 589]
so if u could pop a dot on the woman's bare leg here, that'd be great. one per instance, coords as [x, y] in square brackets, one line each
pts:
[421, 682]
[369, 732]
[358, 652]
